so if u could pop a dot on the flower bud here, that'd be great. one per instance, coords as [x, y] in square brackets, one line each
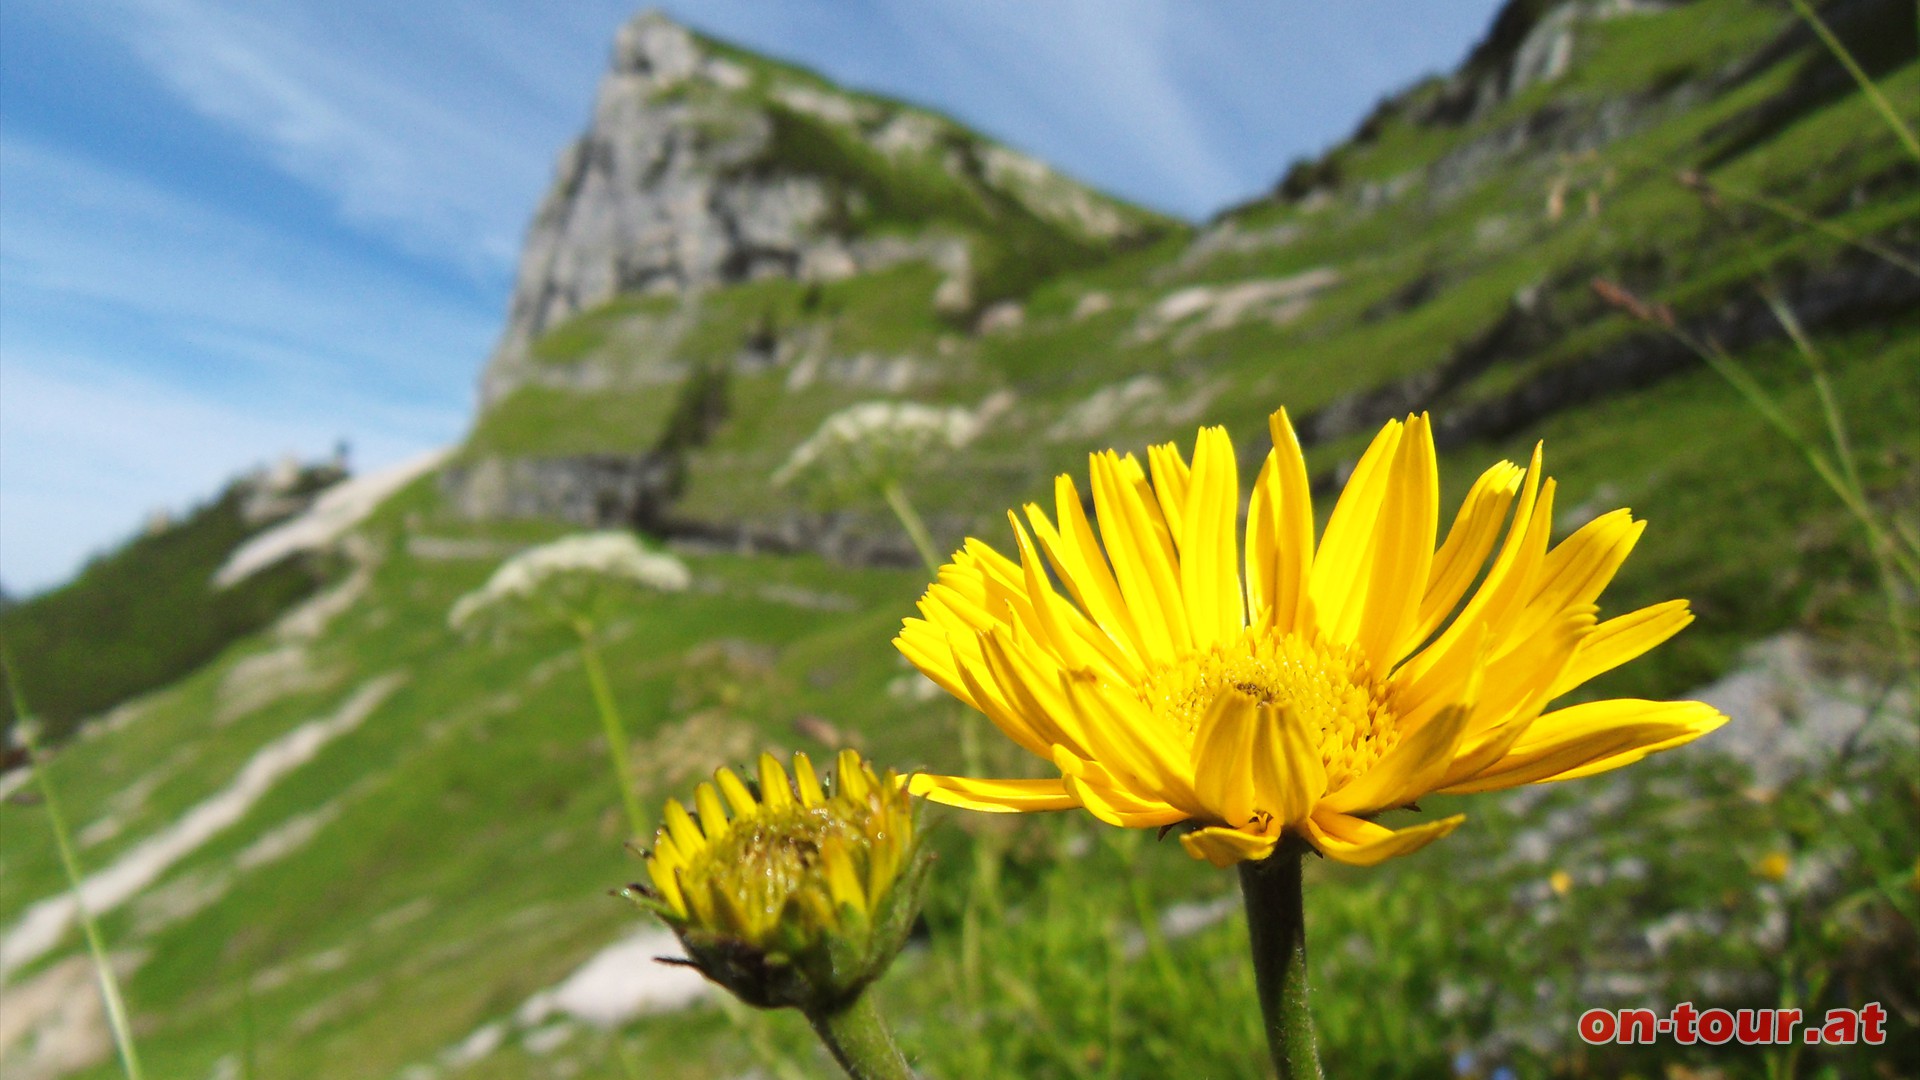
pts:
[803, 893]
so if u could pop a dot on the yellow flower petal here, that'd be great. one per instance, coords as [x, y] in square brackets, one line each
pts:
[713, 816]
[994, 796]
[1170, 478]
[843, 882]
[1621, 639]
[1209, 553]
[807, 781]
[1358, 842]
[1143, 558]
[738, 797]
[686, 835]
[774, 791]
[1112, 805]
[1071, 641]
[1225, 847]
[1506, 575]
[1409, 770]
[1469, 542]
[1223, 758]
[986, 693]
[1400, 549]
[1280, 535]
[1605, 734]
[850, 777]
[1081, 566]
[929, 648]
[1120, 733]
[666, 884]
[1575, 571]
[1338, 589]
[1288, 776]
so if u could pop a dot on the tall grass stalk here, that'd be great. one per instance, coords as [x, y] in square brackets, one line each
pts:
[1872, 92]
[1896, 558]
[1712, 190]
[116, 1006]
[988, 848]
[1895, 551]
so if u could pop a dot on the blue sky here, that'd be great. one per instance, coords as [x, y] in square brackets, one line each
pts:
[233, 229]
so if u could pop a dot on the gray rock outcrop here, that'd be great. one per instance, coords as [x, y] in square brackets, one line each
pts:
[705, 166]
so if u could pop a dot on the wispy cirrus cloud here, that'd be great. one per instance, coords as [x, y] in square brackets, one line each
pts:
[413, 144]
[152, 347]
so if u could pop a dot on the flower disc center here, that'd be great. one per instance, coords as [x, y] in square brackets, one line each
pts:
[763, 860]
[1332, 688]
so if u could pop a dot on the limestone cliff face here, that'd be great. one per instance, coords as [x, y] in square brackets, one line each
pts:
[704, 165]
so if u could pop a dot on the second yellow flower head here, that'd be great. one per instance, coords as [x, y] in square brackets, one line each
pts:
[790, 892]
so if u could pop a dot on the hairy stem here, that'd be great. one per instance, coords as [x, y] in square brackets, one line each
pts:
[860, 1042]
[1277, 932]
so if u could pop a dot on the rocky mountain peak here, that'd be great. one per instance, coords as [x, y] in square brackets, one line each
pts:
[705, 165]
[654, 46]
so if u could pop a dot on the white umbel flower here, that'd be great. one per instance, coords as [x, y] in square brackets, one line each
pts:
[866, 445]
[569, 562]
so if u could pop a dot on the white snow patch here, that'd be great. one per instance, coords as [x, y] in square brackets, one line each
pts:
[338, 509]
[485, 1040]
[53, 1024]
[41, 928]
[286, 838]
[619, 983]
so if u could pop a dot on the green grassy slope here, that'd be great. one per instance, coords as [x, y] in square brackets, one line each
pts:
[143, 616]
[432, 868]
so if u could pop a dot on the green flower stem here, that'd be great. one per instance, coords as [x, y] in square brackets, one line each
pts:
[610, 724]
[860, 1042]
[910, 520]
[1277, 932]
[116, 1006]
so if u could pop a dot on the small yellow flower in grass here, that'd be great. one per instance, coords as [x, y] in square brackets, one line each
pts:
[1309, 688]
[1773, 866]
[790, 892]
[1560, 882]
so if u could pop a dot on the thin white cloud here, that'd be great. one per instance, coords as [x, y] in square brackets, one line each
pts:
[1097, 75]
[152, 348]
[104, 249]
[86, 451]
[445, 165]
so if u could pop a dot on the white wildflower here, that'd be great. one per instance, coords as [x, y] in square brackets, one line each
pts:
[867, 445]
[583, 559]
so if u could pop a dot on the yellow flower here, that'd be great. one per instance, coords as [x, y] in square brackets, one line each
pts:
[1560, 882]
[1773, 866]
[803, 895]
[1314, 692]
